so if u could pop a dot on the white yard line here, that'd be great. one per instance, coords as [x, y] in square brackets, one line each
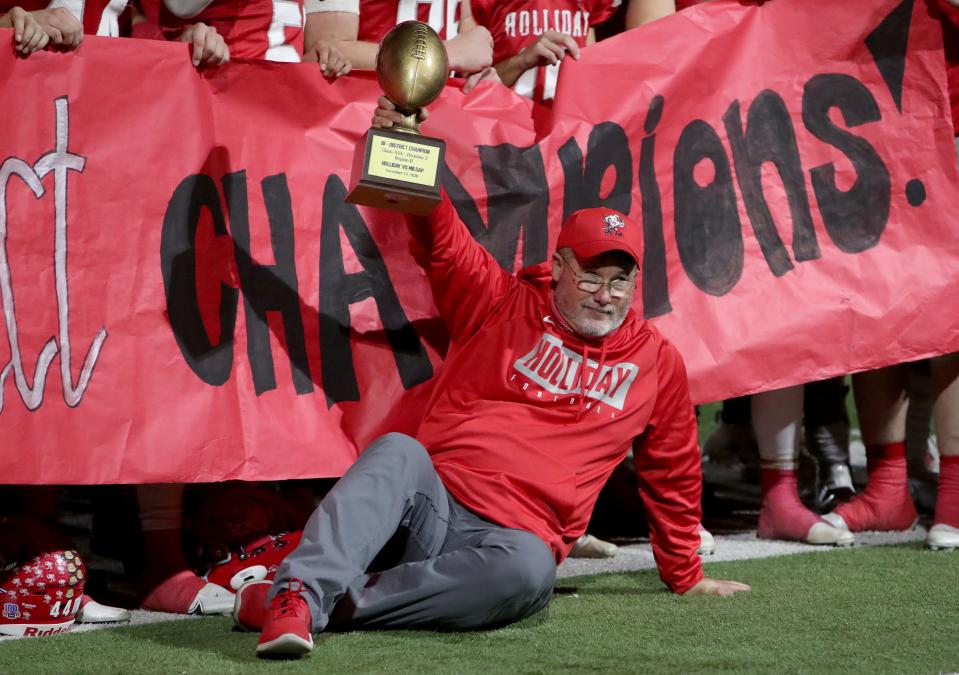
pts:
[739, 546]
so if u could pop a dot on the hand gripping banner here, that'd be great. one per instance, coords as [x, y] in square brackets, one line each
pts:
[186, 296]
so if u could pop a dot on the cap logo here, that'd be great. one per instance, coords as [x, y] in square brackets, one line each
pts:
[614, 225]
[11, 610]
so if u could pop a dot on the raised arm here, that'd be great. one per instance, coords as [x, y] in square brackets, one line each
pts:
[467, 282]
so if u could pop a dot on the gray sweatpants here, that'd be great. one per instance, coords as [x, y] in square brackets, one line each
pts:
[389, 548]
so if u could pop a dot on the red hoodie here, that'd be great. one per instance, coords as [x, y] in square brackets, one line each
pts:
[508, 427]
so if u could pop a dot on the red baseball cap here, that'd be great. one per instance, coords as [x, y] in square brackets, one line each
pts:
[590, 232]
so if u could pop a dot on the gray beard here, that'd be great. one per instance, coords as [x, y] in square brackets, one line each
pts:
[593, 330]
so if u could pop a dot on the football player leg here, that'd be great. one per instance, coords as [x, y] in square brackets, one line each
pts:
[827, 439]
[885, 504]
[944, 533]
[168, 582]
[776, 418]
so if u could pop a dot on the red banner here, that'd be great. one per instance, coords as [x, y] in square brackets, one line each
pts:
[187, 297]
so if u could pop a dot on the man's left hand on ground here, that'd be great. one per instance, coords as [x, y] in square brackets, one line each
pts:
[722, 587]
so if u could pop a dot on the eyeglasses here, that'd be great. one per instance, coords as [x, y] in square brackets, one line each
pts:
[618, 288]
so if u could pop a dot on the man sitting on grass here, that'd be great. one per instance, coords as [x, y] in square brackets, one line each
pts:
[549, 379]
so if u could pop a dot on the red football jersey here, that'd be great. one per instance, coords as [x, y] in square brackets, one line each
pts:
[516, 24]
[99, 17]
[378, 17]
[253, 29]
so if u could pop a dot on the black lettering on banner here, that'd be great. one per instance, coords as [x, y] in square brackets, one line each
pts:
[655, 280]
[856, 218]
[888, 43]
[708, 231]
[268, 288]
[212, 363]
[607, 146]
[339, 290]
[518, 203]
[770, 137]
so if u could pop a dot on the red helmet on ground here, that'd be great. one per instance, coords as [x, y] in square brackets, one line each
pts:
[253, 562]
[41, 596]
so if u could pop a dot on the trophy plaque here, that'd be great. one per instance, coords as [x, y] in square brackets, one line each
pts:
[398, 168]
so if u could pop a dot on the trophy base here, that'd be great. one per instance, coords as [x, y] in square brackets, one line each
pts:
[393, 199]
[398, 171]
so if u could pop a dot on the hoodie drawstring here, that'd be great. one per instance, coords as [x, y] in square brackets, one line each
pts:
[586, 349]
[582, 376]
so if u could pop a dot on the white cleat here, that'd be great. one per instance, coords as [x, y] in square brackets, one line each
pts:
[943, 537]
[707, 543]
[822, 534]
[92, 611]
[835, 520]
[211, 600]
[589, 546]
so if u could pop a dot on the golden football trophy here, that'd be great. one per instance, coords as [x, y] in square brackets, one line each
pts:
[397, 168]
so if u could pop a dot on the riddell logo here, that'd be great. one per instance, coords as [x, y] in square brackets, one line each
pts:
[33, 631]
[556, 369]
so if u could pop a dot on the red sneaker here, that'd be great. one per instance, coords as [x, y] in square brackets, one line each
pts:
[249, 607]
[286, 632]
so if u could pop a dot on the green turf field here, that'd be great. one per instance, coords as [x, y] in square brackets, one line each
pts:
[869, 610]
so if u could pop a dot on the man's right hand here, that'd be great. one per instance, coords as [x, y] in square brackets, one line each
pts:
[386, 115]
[470, 51]
[63, 29]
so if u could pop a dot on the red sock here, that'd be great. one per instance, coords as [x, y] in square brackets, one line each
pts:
[947, 500]
[885, 504]
[781, 514]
